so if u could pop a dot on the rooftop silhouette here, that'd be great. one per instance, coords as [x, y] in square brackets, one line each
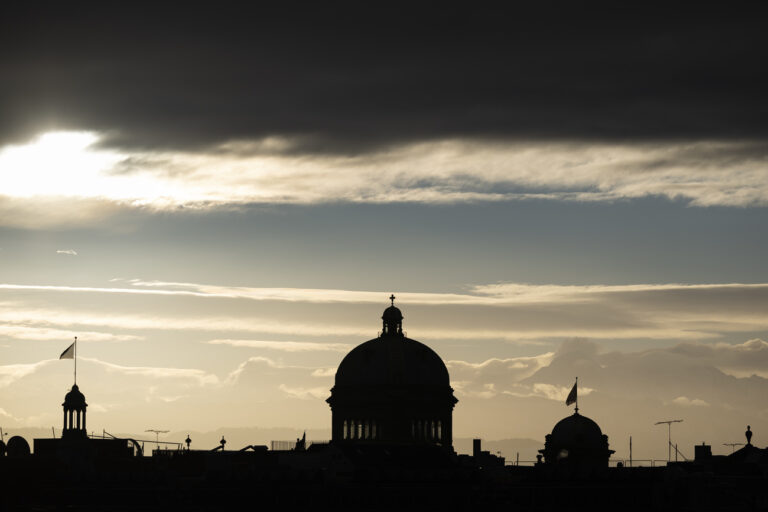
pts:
[392, 407]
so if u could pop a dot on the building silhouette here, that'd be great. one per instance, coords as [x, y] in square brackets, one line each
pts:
[75, 446]
[577, 446]
[392, 390]
[391, 449]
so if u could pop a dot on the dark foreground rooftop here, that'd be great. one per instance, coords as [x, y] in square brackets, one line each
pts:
[385, 478]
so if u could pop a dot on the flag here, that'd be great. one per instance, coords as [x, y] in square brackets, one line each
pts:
[572, 395]
[69, 353]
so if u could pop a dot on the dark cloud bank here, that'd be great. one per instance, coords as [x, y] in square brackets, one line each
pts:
[355, 79]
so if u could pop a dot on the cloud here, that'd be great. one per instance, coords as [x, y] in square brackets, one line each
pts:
[286, 346]
[684, 401]
[402, 79]
[494, 370]
[70, 252]
[198, 377]
[683, 375]
[10, 374]
[556, 393]
[408, 113]
[13, 372]
[324, 372]
[62, 317]
[668, 375]
[255, 361]
[317, 393]
[489, 294]
[24, 332]
[7, 415]
[505, 376]
[724, 173]
[519, 313]
[267, 380]
[741, 359]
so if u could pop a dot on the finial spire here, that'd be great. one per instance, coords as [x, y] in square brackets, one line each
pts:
[392, 298]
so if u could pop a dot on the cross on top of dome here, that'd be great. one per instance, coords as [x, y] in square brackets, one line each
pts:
[392, 298]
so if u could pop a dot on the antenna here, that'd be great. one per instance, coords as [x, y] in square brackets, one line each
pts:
[733, 446]
[157, 435]
[668, 423]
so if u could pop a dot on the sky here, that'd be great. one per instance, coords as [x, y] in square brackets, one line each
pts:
[218, 201]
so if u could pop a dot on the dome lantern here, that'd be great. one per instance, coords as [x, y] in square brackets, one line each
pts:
[392, 319]
[74, 412]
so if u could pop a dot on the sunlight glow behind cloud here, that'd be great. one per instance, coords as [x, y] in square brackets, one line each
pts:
[56, 164]
[70, 165]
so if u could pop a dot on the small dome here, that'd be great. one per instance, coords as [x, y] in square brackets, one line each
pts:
[74, 399]
[392, 314]
[577, 431]
[18, 447]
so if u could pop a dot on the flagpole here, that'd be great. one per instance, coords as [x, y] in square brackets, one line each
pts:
[75, 360]
[577, 389]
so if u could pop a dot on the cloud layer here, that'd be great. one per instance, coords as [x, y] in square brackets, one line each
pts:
[702, 173]
[504, 311]
[369, 77]
[625, 392]
[243, 107]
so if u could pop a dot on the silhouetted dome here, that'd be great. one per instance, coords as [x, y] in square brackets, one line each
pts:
[18, 447]
[74, 399]
[392, 389]
[392, 314]
[577, 443]
[392, 360]
[577, 430]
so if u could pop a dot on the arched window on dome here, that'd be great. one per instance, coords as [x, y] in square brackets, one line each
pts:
[359, 429]
[344, 430]
[373, 429]
[440, 430]
[433, 430]
[366, 430]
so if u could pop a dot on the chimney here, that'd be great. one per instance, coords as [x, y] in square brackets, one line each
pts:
[476, 447]
[703, 453]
